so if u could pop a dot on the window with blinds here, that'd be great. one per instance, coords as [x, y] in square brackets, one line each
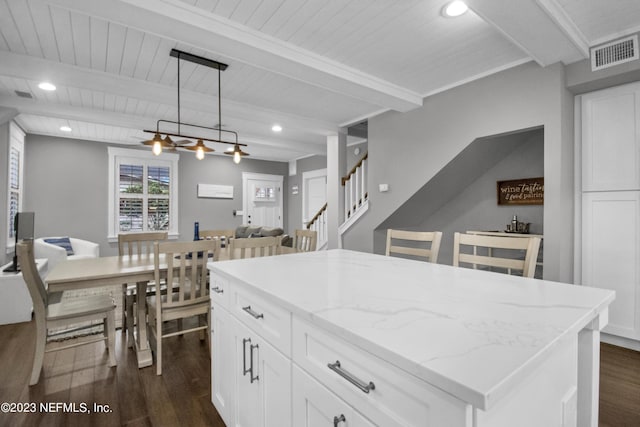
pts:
[143, 190]
[144, 197]
[14, 179]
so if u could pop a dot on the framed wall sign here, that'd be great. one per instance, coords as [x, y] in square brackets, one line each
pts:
[526, 191]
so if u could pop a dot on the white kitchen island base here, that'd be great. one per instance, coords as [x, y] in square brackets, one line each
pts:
[369, 340]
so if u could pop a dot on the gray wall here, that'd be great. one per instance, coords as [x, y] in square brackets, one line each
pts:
[353, 158]
[407, 149]
[295, 200]
[485, 157]
[476, 207]
[66, 185]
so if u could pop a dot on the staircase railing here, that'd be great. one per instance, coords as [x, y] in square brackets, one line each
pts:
[319, 224]
[355, 187]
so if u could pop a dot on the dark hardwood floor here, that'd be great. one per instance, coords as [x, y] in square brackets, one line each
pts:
[181, 396]
[619, 387]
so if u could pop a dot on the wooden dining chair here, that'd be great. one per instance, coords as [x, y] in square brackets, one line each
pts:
[502, 254]
[188, 295]
[50, 314]
[305, 240]
[420, 245]
[224, 235]
[140, 244]
[255, 247]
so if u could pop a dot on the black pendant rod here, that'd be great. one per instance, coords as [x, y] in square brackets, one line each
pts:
[198, 59]
[219, 108]
[179, 92]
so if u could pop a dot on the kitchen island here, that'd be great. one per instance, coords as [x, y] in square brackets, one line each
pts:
[351, 338]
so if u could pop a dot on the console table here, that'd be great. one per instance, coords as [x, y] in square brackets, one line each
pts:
[348, 338]
[15, 300]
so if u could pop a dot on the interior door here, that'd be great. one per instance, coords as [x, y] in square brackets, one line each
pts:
[314, 193]
[263, 201]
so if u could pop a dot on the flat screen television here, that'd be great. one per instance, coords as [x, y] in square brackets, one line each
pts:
[23, 227]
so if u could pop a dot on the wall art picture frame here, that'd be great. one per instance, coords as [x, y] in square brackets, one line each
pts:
[523, 191]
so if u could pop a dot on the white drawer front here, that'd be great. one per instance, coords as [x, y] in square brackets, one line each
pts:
[396, 397]
[314, 405]
[268, 320]
[219, 290]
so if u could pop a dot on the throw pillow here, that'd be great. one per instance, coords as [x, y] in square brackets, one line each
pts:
[271, 231]
[253, 230]
[241, 231]
[63, 242]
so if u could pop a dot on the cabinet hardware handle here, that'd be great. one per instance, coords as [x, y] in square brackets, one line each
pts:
[217, 290]
[253, 313]
[335, 367]
[338, 420]
[257, 377]
[245, 371]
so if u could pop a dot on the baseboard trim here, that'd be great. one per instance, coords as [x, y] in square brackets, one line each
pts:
[620, 341]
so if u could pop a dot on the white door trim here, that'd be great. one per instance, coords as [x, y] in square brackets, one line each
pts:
[306, 176]
[246, 176]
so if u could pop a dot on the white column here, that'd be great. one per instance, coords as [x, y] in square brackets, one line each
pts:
[336, 168]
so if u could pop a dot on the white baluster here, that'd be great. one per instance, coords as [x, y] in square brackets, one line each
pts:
[356, 184]
[350, 196]
[364, 180]
[346, 202]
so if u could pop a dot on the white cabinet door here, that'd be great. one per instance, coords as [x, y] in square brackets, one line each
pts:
[223, 363]
[611, 254]
[315, 406]
[611, 139]
[263, 378]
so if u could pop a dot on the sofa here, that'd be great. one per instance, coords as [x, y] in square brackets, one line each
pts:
[57, 252]
[248, 231]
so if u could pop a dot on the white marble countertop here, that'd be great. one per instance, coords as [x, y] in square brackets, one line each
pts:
[473, 334]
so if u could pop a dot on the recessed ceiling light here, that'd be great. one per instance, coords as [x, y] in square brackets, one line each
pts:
[276, 128]
[454, 8]
[65, 128]
[47, 86]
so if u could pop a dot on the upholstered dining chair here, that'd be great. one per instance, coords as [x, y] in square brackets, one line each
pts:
[140, 244]
[188, 295]
[503, 254]
[255, 247]
[50, 313]
[305, 240]
[420, 245]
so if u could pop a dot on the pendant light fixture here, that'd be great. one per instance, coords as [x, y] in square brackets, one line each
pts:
[159, 144]
[237, 153]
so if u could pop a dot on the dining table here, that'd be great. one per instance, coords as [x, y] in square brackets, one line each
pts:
[114, 270]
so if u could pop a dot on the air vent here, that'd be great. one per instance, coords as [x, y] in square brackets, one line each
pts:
[614, 53]
[22, 94]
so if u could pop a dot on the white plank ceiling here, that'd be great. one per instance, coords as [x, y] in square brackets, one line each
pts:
[311, 66]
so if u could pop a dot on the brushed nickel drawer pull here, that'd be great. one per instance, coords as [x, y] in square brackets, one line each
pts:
[245, 371]
[335, 367]
[218, 290]
[338, 420]
[251, 377]
[253, 313]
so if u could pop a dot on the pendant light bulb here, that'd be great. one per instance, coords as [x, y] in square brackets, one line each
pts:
[157, 147]
[200, 153]
[236, 157]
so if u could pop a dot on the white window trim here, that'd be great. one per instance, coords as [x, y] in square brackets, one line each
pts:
[116, 154]
[16, 140]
